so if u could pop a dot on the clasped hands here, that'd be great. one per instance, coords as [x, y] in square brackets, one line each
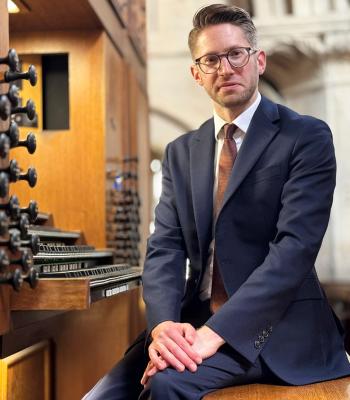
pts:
[181, 346]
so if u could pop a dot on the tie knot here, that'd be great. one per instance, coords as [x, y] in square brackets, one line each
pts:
[229, 130]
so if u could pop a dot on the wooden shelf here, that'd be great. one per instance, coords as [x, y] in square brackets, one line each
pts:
[66, 294]
[53, 294]
[4, 309]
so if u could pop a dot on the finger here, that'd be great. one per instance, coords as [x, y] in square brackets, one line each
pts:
[189, 333]
[152, 371]
[167, 356]
[180, 355]
[186, 348]
[157, 361]
[144, 378]
[174, 355]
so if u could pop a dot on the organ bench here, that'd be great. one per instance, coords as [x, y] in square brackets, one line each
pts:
[338, 389]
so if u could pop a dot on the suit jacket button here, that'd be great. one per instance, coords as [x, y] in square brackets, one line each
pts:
[257, 344]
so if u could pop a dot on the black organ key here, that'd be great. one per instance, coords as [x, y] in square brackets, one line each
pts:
[29, 109]
[30, 75]
[11, 60]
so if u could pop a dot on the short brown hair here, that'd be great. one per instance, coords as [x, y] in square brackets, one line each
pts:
[220, 14]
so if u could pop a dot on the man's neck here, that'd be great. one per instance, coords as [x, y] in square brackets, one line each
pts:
[230, 114]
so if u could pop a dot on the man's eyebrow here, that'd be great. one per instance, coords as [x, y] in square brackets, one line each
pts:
[226, 50]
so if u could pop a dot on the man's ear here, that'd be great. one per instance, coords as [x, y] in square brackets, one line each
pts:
[196, 75]
[261, 59]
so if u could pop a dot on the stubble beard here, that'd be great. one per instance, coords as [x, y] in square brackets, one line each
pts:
[237, 100]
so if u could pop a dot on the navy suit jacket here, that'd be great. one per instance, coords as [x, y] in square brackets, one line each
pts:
[274, 215]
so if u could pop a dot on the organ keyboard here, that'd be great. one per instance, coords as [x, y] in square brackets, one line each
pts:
[61, 260]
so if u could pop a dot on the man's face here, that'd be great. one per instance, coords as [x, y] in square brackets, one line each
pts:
[229, 88]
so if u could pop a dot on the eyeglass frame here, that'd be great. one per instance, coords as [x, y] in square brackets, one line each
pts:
[250, 51]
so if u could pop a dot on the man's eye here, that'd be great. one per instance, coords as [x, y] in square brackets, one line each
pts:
[210, 59]
[236, 53]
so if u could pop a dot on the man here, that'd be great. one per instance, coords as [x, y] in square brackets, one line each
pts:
[246, 199]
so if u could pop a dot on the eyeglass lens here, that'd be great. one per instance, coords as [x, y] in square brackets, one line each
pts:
[237, 57]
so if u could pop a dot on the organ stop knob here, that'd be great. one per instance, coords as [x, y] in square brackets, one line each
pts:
[30, 75]
[11, 60]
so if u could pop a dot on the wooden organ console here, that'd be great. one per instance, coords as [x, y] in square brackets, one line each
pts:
[70, 271]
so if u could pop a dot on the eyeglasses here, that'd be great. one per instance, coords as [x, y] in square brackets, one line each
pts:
[237, 58]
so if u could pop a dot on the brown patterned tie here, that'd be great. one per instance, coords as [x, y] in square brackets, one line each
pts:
[227, 158]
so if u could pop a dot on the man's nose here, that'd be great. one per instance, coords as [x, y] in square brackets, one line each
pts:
[225, 66]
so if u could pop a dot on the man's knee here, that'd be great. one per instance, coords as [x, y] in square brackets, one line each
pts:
[164, 382]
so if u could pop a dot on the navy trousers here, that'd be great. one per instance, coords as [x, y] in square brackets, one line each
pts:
[226, 368]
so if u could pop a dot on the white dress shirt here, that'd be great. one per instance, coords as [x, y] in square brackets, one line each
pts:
[242, 122]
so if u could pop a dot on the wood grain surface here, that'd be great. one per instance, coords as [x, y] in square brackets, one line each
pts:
[70, 163]
[338, 389]
[53, 294]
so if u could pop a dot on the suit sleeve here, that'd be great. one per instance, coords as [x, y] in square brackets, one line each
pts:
[164, 268]
[257, 306]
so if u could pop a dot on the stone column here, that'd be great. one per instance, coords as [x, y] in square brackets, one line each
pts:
[301, 7]
[336, 80]
[341, 5]
[269, 8]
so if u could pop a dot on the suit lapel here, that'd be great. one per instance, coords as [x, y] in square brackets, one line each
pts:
[261, 131]
[202, 180]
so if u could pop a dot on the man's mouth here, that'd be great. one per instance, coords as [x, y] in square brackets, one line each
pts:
[228, 84]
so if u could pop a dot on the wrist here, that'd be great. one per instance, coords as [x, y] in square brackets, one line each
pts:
[211, 336]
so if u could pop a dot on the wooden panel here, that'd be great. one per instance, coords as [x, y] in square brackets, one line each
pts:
[4, 308]
[133, 113]
[54, 14]
[53, 294]
[117, 109]
[144, 170]
[27, 374]
[137, 26]
[120, 39]
[87, 343]
[71, 163]
[331, 390]
[121, 7]
[90, 342]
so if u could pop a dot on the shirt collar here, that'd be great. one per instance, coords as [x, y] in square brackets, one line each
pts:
[242, 121]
